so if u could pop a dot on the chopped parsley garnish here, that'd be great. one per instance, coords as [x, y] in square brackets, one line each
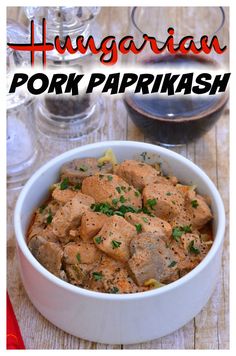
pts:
[193, 249]
[97, 276]
[122, 199]
[109, 210]
[123, 188]
[64, 184]
[118, 189]
[173, 202]
[83, 168]
[194, 203]
[115, 201]
[118, 212]
[136, 193]
[115, 244]
[49, 218]
[78, 257]
[145, 220]
[104, 208]
[168, 193]
[114, 290]
[151, 203]
[172, 264]
[146, 211]
[138, 228]
[98, 239]
[123, 209]
[78, 186]
[186, 228]
[177, 232]
[109, 178]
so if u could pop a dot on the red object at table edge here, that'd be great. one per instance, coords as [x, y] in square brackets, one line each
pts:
[14, 338]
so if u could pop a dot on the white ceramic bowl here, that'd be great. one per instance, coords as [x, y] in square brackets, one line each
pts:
[111, 318]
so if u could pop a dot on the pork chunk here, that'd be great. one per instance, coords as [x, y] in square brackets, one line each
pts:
[114, 238]
[194, 247]
[111, 189]
[146, 223]
[69, 216]
[49, 254]
[78, 260]
[81, 252]
[91, 224]
[75, 171]
[78, 274]
[163, 200]
[201, 213]
[63, 196]
[172, 180]
[111, 276]
[48, 234]
[137, 174]
[151, 259]
[42, 218]
[189, 251]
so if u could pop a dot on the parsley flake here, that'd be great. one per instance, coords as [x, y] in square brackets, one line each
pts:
[177, 233]
[151, 203]
[64, 184]
[118, 189]
[172, 264]
[49, 218]
[97, 276]
[193, 249]
[114, 290]
[115, 244]
[104, 208]
[122, 199]
[98, 240]
[115, 201]
[77, 186]
[186, 228]
[138, 228]
[194, 203]
[78, 257]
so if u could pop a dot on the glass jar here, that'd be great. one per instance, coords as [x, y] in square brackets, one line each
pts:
[63, 116]
[23, 150]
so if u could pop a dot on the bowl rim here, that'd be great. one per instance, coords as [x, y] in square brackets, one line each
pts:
[219, 236]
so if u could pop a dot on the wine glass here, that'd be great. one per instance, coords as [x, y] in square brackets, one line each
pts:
[178, 119]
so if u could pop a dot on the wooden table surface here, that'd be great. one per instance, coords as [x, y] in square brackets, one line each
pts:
[210, 328]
